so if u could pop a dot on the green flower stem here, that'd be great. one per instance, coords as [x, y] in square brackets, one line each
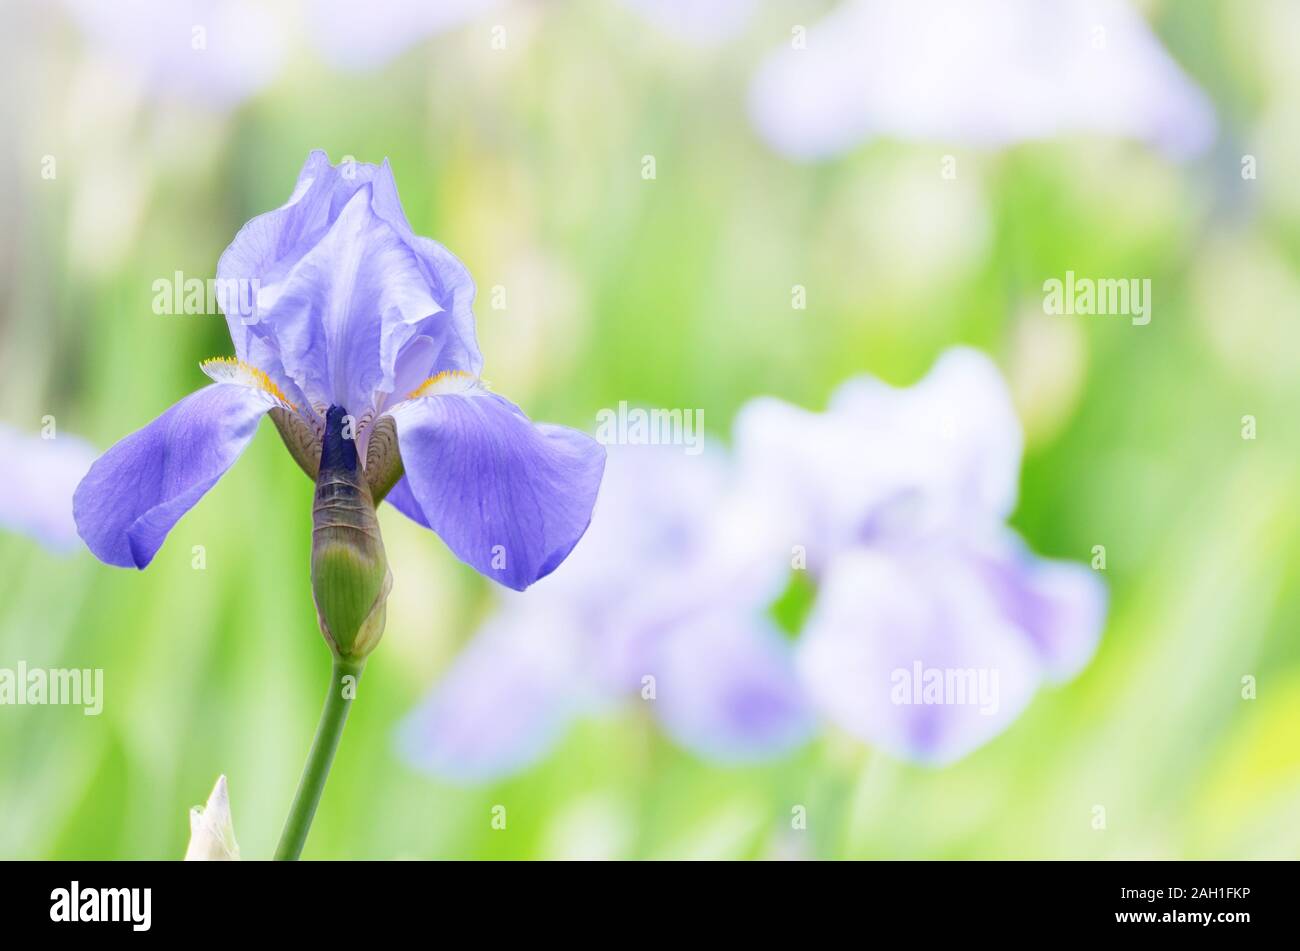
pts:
[314, 774]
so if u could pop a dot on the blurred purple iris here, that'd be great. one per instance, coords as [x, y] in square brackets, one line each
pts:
[36, 485]
[351, 309]
[211, 52]
[978, 72]
[932, 624]
[663, 605]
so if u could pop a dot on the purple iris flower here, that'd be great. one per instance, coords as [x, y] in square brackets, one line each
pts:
[979, 72]
[36, 485]
[352, 311]
[662, 605]
[932, 625]
[212, 52]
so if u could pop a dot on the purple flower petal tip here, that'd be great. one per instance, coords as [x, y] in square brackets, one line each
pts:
[137, 490]
[508, 496]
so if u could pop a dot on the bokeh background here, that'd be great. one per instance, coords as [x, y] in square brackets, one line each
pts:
[527, 163]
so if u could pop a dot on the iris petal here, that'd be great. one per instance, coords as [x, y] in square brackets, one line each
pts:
[402, 498]
[137, 490]
[346, 307]
[283, 234]
[453, 288]
[956, 431]
[884, 460]
[508, 496]
[339, 254]
[1060, 605]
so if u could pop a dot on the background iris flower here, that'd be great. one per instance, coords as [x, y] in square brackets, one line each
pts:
[899, 498]
[893, 502]
[37, 482]
[664, 600]
[213, 53]
[984, 73]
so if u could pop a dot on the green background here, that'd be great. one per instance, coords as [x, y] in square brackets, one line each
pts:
[527, 164]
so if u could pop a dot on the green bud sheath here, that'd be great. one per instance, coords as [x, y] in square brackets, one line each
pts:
[350, 579]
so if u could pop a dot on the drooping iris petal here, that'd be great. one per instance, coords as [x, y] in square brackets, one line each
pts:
[911, 652]
[508, 496]
[137, 490]
[503, 702]
[1061, 606]
[979, 72]
[725, 686]
[884, 460]
[37, 479]
[402, 498]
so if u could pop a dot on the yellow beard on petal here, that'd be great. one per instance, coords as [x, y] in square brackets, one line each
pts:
[448, 381]
[234, 370]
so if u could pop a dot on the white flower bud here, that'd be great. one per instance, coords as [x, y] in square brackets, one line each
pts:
[212, 833]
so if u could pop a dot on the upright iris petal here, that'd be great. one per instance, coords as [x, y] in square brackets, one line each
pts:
[354, 311]
[885, 459]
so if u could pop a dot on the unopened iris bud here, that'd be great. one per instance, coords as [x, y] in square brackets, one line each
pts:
[350, 579]
[212, 832]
